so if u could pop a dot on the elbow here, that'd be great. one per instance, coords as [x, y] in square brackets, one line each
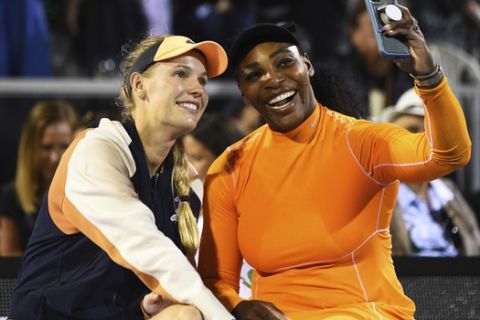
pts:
[464, 153]
[453, 159]
[464, 157]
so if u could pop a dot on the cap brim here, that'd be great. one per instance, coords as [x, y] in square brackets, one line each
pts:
[217, 60]
[215, 55]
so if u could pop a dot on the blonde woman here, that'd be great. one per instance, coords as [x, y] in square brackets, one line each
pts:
[46, 134]
[119, 221]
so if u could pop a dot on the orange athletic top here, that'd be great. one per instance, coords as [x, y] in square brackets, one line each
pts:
[310, 209]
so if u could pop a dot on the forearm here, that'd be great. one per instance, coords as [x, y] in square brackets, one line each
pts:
[445, 126]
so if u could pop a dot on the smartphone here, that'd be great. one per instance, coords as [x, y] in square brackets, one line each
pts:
[390, 47]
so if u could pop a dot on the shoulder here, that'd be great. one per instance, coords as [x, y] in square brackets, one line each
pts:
[108, 144]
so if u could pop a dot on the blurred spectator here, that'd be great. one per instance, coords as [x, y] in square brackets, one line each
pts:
[430, 219]
[273, 10]
[474, 201]
[89, 33]
[247, 118]
[159, 15]
[24, 39]
[48, 130]
[378, 82]
[217, 20]
[453, 21]
[213, 134]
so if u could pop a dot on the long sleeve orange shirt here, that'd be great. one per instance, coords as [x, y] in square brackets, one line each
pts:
[310, 209]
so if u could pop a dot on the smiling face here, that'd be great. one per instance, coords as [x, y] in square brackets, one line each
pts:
[171, 94]
[275, 79]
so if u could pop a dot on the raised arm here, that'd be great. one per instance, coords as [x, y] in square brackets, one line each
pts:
[388, 152]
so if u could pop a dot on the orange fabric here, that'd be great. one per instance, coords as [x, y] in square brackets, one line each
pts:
[310, 210]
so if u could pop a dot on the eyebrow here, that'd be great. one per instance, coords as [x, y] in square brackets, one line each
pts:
[184, 66]
[271, 56]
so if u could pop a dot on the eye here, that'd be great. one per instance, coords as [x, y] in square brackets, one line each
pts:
[285, 62]
[203, 81]
[182, 74]
[252, 76]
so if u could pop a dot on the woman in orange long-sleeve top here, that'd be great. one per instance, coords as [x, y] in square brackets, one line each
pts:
[307, 198]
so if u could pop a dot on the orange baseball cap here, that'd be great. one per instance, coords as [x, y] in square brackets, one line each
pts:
[173, 46]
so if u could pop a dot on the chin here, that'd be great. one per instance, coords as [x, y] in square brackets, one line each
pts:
[189, 125]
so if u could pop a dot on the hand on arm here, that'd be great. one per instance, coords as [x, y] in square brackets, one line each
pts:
[257, 310]
[153, 303]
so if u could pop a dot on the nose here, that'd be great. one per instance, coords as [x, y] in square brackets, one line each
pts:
[272, 79]
[196, 88]
[55, 156]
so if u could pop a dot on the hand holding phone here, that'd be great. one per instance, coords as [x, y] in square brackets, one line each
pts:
[382, 13]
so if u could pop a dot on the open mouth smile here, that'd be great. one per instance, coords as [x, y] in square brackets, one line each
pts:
[281, 100]
[190, 106]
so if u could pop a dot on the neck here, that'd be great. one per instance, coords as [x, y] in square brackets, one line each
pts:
[156, 146]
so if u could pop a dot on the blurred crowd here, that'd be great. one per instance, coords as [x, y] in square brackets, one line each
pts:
[81, 38]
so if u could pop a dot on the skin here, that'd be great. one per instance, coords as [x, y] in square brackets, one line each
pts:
[161, 96]
[273, 68]
[198, 155]
[55, 140]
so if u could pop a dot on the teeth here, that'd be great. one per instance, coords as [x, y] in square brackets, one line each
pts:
[282, 97]
[189, 106]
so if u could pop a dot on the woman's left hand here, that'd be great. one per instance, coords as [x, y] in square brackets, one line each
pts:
[153, 303]
[420, 61]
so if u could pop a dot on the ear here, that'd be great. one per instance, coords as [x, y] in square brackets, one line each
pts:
[136, 80]
[311, 69]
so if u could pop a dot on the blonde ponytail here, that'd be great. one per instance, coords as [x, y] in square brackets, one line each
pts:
[187, 225]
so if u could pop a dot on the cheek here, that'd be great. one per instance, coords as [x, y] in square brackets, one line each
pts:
[251, 97]
[205, 99]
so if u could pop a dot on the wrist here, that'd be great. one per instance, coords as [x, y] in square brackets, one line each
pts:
[430, 80]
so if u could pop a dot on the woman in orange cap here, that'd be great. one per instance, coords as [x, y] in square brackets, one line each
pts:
[119, 217]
